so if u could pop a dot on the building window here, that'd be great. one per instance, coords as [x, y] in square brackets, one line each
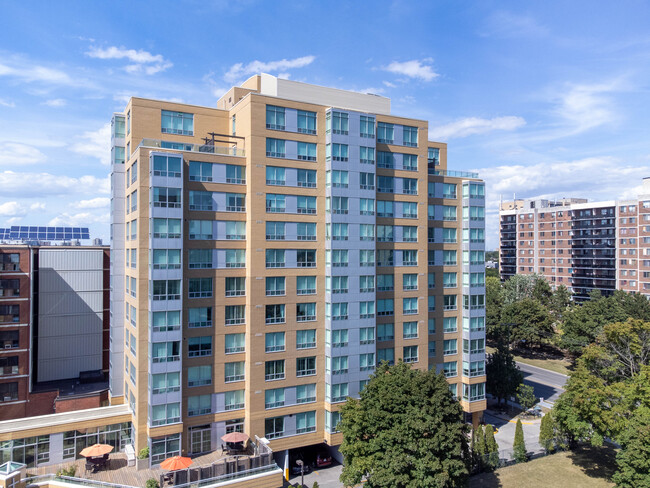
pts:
[234, 371]
[305, 285]
[166, 321]
[386, 354]
[275, 286]
[367, 336]
[234, 400]
[338, 122]
[306, 393]
[385, 133]
[275, 314]
[199, 346]
[235, 343]
[306, 258]
[199, 405]
[306, 122]
[9, 262]
[306, 366]
[165, 414]
[339, 364]
[166, 290]
[274, 342]
[200, 317]
[306, 151]
[169, 166]
[274, 370]
[305, 339]
[199, 288]
[385, 332]
[275, 148]
[367, 127]
[450, 347]
[196, 375]
[410, 136]
[367, 361]
[449, 369]
[8, 392]
[305, 312]
[274, 398]
[410, 354]
[275, 117]
[176, 123]
[168, 229]
[236, 286]
[274, 427]
[367, 310]
[336, 393]
[410, 330]
[275, 258]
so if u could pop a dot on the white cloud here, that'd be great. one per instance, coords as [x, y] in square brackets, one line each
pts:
[96, 144]
[389, 84]
[26, 185]
[56, 102]
[508, 24]
[37, 207]
[474, 125]
[30, 73]
[585, 106]
[417, 69]
[81, 219]
[239, 70]
[143, 61]
[16, 154]
[5, 103]
[12, 209]
[597, 178]
[98, 202]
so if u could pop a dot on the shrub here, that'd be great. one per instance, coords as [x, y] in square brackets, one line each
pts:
[144, 453]
[69, 471]
[152, 483]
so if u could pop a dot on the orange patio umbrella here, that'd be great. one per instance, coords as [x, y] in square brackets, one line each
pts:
[96, 450]
[175, 463]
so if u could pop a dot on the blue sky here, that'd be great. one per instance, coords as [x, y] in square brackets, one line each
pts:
[542, 98]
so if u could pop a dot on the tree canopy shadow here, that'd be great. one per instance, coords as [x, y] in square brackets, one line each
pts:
[596, 462]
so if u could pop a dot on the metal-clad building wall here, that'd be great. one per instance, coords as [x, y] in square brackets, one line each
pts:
[70, 305]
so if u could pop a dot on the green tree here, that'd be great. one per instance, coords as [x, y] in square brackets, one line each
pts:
[547, 433]
[519, 446]
[542, 292]
[559, 303]
[152, 483]
[492, 448]
[493, 305]
[520, 286]
[633, 459]
[526, 396]
[503, 374]
[531, 322]
[584, 322]
[480, 446]
[405, 430]
[610, 383]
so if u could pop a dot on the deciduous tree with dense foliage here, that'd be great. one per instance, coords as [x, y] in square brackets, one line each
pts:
[610, 385]
[526, 396]
[406, 430]
[634, 459]
[529, 321]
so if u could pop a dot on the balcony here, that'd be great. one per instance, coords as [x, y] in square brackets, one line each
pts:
[197, 148]
[457, 174]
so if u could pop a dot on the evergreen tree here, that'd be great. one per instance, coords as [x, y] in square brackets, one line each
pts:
[547, 433]
[481, 450]
[503, 374]
[519, 446]
[492, 448]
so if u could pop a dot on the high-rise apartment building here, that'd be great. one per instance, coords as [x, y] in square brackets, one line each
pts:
[267, 254]
[583, 245]
[54, 329]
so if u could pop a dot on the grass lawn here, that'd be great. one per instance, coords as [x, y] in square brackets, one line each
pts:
[586, 467]
[557, 364]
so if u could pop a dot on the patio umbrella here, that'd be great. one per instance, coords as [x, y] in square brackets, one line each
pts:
[234, 437]
[96, 450]
[175, 463]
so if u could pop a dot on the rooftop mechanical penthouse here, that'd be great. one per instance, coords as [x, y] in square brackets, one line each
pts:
[267, 254]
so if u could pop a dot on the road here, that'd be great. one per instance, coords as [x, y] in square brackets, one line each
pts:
[547, 384]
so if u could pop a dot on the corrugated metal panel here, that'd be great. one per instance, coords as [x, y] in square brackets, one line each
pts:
[53, 280]
[71, 259]
[71, 302]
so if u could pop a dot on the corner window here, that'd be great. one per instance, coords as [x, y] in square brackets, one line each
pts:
[177, 123]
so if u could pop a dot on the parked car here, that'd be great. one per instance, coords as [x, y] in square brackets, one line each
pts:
[296, 469]
[323, 459]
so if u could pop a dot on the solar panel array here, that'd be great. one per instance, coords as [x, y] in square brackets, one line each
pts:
[27, 233]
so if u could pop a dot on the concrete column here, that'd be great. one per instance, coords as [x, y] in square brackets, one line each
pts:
[56, 448]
